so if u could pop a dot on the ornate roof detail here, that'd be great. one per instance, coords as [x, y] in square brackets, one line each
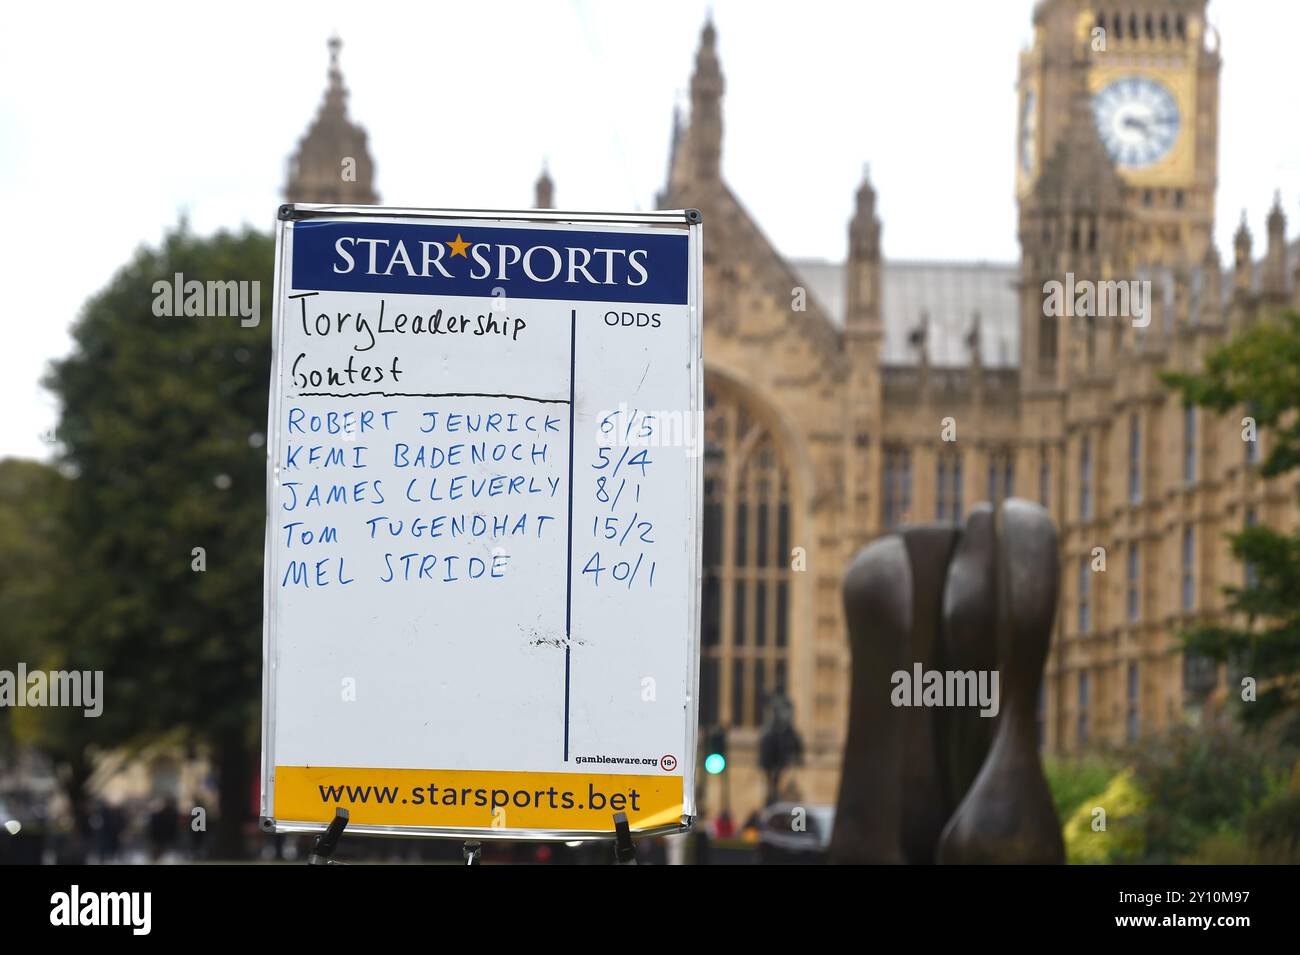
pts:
[332, 162]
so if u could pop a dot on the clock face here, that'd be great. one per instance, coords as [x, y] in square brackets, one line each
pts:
[1137, 119]
[1028, 127]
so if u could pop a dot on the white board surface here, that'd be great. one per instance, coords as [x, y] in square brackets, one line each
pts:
[482, 538]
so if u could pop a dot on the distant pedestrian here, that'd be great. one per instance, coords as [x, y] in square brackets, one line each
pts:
[725, 828]
[164, 825]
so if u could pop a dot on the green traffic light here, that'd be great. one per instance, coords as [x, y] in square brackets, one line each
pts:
[715, 763]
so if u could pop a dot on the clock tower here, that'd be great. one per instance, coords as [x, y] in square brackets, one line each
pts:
[1152, 75]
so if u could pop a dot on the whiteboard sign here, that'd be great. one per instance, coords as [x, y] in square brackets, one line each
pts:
[483, 498]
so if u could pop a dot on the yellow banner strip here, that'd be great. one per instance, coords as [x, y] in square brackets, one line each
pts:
[472, 799]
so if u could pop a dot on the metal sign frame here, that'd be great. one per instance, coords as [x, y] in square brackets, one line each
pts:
[687, 220]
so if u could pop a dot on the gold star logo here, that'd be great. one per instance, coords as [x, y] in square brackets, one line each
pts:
[459, 246]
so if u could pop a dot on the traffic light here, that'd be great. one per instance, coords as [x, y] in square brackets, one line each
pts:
[715, 750]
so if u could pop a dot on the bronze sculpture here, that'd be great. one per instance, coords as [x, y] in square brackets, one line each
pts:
[947, 784]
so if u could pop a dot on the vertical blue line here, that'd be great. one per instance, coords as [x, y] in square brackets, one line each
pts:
[568, 570]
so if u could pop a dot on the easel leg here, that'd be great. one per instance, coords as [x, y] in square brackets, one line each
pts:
[624, 848]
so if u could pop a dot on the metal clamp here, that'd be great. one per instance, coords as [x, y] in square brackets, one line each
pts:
[323, 849]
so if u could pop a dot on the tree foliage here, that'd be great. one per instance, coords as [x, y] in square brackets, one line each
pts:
[162, 429]
[1201, 782]
[32, 495]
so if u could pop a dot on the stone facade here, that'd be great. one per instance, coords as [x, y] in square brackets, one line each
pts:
[846, 398]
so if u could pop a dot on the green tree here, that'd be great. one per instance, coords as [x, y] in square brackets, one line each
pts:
[162, 427]
[1201, 782]
[31, 558]
[1258, 373]
[39, 596]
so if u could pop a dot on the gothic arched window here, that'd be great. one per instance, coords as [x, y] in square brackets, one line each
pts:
[747, 562]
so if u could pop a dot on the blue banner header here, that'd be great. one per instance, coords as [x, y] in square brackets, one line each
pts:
[435, 259]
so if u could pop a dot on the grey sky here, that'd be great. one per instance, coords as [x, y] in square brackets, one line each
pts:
[115, 118]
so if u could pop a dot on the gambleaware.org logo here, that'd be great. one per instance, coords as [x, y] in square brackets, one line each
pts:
[74, 907]
[73, 688]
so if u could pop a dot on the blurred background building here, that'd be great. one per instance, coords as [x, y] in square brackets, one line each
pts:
[828, 386]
